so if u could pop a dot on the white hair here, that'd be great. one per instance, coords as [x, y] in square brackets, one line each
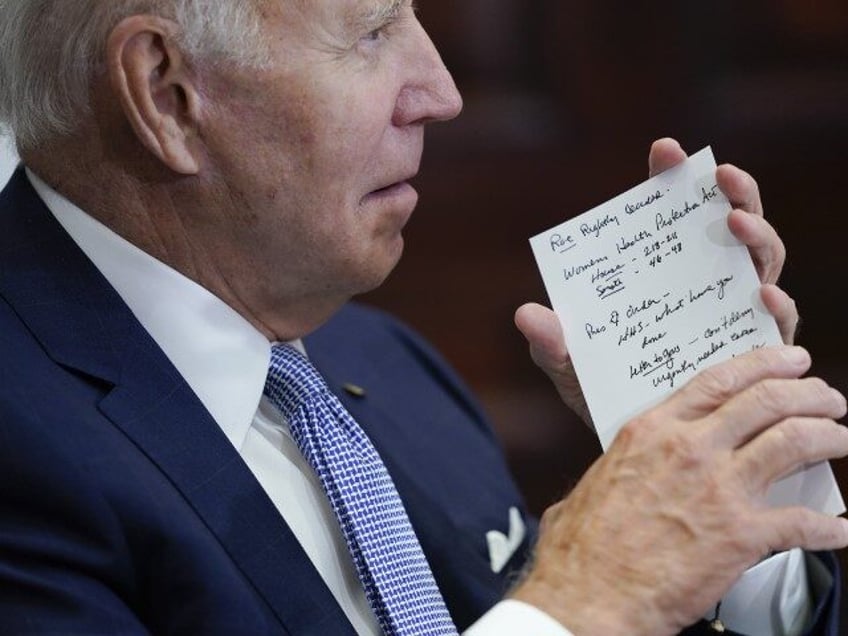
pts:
[51, 50]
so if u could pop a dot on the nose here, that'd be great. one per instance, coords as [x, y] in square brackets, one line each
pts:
[429, 93]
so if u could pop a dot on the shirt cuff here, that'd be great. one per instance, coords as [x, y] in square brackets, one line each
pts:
[511, 617]
[779, 582]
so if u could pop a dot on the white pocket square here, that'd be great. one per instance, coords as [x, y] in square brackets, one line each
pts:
[502, 547]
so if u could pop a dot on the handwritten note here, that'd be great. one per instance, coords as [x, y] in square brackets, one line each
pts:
[650, 288]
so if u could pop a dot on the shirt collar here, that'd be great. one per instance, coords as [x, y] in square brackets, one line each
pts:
[222, 357]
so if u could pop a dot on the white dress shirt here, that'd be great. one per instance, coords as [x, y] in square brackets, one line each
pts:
[224, 360]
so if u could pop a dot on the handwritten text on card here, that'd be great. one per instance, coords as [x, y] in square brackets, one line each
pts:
[652, 287]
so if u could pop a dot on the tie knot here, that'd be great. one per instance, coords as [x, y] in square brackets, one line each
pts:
[292, 379]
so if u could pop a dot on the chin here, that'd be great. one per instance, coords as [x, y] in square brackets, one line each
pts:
[381, 266]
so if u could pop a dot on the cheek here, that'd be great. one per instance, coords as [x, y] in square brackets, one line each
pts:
[356, 140]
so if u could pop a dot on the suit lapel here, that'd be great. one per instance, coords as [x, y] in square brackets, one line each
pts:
[83, 324]
[163, 417]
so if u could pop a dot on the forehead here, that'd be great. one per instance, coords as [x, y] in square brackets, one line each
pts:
[347, 13]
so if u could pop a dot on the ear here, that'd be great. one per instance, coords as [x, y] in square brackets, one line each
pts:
[156, 89]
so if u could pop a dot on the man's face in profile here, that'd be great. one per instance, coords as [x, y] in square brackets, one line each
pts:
[314, 150]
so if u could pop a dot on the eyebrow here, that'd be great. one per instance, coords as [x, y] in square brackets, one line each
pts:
[386, 11]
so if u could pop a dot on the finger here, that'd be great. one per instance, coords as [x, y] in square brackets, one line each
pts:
[784, 448]
[543, 331]
[767, 402]
[781, 305]
[766, 247]
[740, 188]
[665, 153]
[788, 528]
[717, 384]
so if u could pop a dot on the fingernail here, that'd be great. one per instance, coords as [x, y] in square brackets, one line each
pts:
[796, 355]
[844, 531]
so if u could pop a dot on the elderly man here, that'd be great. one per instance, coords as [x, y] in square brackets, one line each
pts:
[206, 185]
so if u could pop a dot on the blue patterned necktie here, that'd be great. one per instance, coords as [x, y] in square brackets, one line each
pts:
[389, 560]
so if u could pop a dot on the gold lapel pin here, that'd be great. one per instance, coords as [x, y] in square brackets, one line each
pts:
[354, 390]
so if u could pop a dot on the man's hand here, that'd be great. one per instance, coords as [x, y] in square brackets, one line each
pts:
[664, 523]
[542, 329]
[747, 224]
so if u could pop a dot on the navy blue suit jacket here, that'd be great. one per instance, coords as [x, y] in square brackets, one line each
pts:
[123, 507]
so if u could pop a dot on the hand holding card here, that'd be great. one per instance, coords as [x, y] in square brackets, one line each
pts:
[651, 288]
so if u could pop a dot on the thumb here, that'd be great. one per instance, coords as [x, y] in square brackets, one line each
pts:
[543, 331]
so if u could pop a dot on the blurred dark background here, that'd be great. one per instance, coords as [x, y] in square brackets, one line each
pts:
[562, 101]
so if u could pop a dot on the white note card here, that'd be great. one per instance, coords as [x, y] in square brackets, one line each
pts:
[651, 287]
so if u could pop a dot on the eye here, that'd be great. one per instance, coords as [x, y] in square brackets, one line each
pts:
[376, 35]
